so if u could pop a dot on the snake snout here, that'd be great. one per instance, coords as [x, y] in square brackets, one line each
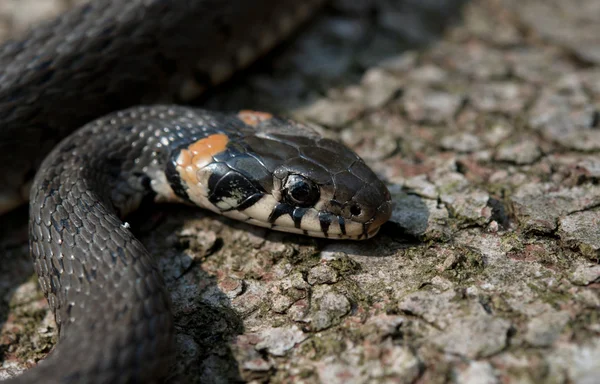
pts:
[382, 214]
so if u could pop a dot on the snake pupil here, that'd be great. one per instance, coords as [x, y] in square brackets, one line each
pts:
[301, 191]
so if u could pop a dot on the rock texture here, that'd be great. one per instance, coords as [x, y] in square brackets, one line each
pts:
[484, 118]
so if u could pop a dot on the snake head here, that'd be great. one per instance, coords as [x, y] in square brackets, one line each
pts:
[280, 174]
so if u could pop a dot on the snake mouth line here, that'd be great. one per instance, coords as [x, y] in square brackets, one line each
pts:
[304, 221]
[365, 232]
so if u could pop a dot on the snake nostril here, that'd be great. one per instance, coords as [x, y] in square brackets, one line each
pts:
[355, 210]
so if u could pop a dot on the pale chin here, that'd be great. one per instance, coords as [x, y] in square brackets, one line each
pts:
[329, 235]
[316, 233]
[258, 214]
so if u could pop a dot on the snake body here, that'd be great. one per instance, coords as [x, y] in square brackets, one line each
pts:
[105, 290]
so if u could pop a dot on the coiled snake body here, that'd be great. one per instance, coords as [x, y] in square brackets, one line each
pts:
[107, 294]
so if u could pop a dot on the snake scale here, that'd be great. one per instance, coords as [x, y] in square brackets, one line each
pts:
[100, 61]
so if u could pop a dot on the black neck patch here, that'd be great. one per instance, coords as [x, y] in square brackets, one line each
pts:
[231, 188]
[174, 178]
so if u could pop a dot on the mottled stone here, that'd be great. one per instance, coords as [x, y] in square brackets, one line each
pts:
[501, 31]
[586, 273]
[571, 26]
[540, 206]
[434, 307]
[252, 298]
[581, 230]
[249, 357]
[336, 373]
[544, 329]
[475, 60]
[461, 142]
[590, 167]
[539, 66]
[410, 213]
[421, 186]
[231, 287]
[522, 153]
[507, 97]
[299, 311]
[591, 81]
[565, 114]
[474, 336]
[471, 206]
[477, 372]
[370, 146]
[328, 307]
[332, 113]
[278, 341]
[429, 74]
[393, 361]
[450, 182]
[26, 13]
[378, 87]
[280, 303]
[426, 105]
[580, 362]
[322, 274]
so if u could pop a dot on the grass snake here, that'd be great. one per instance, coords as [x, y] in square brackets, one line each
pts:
[111, 67]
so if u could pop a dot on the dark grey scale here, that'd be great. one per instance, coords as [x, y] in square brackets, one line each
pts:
[346, 183]
[271, 151]
[370, 196]
[251, 167]
[293, 137]
[372, 193]
[307, 168]
[234, 149]
[338, 148]
[335, 157]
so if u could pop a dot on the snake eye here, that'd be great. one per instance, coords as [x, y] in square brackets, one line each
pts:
[300, 191]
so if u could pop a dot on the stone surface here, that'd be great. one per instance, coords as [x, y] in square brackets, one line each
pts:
[483, 119]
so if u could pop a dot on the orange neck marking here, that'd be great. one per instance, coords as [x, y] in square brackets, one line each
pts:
[210, 145]
[253, 118]
[198, 155]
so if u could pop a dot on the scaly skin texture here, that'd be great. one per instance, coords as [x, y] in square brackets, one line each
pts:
[109, 55]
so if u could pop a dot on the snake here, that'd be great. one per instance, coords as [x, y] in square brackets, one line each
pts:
[92, 124]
